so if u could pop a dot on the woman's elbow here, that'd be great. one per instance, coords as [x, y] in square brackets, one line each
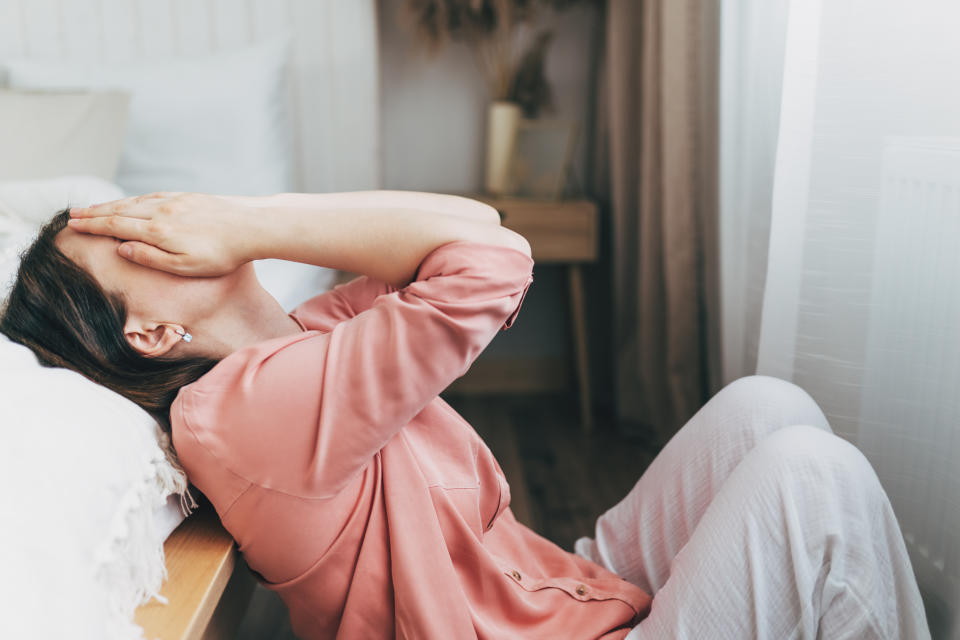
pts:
[517, 241]
[481, 211]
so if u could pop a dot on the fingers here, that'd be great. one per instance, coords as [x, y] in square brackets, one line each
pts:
[133, 207]
[114, 226]
[150, 256]
[127, 207]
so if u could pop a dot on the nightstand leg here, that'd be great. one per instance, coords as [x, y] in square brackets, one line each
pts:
[578, 322]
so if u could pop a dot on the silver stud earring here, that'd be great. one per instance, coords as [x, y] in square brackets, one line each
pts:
[186, 337]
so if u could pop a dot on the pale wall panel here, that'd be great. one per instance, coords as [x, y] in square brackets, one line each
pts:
[11, 30]
[121, 29]
[42, 23]
[270, 17]
[231, 28]
[83, 33]
[193, 27]
[158, 35]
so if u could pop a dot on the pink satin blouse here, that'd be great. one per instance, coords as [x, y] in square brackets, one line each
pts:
[362, 498]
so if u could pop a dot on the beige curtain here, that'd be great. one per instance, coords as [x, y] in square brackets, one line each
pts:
[656, 127]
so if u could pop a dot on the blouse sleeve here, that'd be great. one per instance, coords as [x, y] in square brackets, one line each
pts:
[341, 302]
[303, 414]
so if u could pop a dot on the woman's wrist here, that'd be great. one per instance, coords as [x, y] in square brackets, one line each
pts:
[258, 229]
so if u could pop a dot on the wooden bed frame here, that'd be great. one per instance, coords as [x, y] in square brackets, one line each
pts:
[209, 585]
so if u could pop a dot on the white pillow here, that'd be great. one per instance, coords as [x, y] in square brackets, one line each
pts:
[47, 134]
[34, 202]
[293, 282]
[27, 204]
[215, 124]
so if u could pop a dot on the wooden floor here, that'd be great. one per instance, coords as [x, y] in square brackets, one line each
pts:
[560, 479]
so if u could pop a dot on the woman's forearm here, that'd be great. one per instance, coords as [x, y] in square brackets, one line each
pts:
[452, 205]
[382, 234]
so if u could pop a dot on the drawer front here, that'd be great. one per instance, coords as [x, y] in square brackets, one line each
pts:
[563, 231]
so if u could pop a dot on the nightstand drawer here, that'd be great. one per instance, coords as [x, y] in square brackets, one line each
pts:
[558, 231]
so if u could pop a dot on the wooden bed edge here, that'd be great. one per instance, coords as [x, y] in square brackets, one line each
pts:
[208, 585]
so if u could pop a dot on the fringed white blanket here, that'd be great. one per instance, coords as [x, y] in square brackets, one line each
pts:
[85, 472]
[130, 566]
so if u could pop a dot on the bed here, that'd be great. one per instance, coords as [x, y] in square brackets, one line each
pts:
[332, 110]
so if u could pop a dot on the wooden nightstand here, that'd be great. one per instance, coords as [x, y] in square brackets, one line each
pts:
[560, 232]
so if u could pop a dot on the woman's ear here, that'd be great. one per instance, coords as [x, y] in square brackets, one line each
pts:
[152, 339]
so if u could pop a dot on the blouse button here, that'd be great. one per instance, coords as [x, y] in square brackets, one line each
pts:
[515, 574]
[581, 590]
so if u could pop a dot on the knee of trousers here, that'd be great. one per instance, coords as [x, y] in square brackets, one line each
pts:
[823, 500]
[783, 403]
[818, 464]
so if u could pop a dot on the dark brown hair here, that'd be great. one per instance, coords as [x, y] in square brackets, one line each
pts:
[68, 320]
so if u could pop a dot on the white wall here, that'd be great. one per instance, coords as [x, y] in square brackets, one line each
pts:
[432, 139]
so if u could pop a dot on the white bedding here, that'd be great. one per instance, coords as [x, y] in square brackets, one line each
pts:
[95, 489]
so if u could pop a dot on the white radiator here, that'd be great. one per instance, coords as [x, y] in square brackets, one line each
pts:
[910, 412]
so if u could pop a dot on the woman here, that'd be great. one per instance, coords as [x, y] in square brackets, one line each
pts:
[372, 507]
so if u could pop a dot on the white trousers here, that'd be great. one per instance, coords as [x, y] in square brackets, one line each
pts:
[757, 521]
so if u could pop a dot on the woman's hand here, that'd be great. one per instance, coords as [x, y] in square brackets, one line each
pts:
[183, 233]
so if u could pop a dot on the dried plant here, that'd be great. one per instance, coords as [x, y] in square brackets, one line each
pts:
[530, 88]
[489, 28]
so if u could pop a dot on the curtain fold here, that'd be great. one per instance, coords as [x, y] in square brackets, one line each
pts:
[753, 33]
[660, 168]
